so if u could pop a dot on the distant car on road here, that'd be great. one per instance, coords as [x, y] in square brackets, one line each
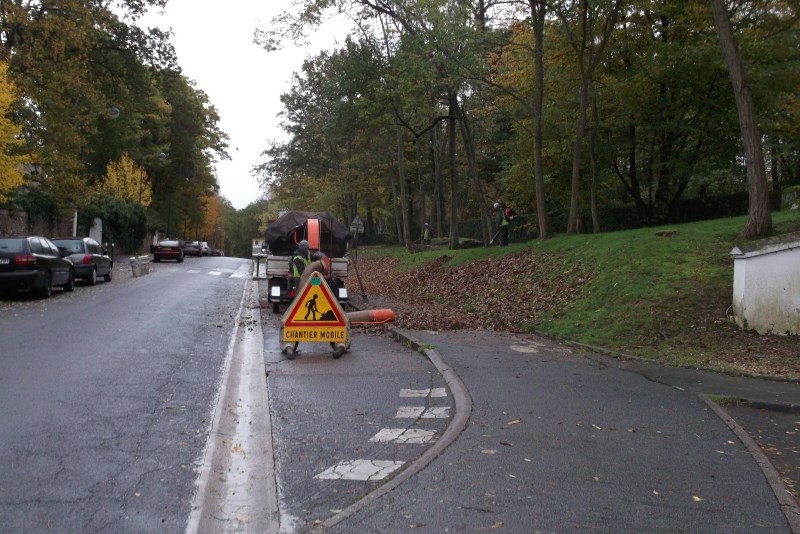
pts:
[34, 263]
[88, 257]
[192, 248]
[168, 250]
[217, 252]
[206, 250]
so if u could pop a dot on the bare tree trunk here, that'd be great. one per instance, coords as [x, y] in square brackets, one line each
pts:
[538, 11]
[401, 171]
[438, 199]
[451, 133]
[420, 183]
[593, 165]
[398, 223]
[759, 220]
[577, 154]
[469, 149]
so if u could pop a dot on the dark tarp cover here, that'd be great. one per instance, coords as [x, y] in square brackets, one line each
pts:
[280, 235]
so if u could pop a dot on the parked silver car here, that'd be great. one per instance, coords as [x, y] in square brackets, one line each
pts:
[89, 258]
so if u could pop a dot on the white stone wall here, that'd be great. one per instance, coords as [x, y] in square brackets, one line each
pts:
[766, 288]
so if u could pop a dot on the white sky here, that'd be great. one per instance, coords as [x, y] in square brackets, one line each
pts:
[214, 44]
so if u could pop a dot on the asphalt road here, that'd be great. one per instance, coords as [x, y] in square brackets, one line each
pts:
[163, 404]
[107, 395]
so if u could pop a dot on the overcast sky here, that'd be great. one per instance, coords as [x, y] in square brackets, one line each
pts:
[214, 44]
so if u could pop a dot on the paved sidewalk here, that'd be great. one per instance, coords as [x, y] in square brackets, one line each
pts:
[558, 440]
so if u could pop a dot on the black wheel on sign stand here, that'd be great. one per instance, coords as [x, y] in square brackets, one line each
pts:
[338, 350]
[291, 351]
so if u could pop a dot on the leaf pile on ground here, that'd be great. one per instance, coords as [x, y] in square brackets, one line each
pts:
[511, 294]
[500, 295]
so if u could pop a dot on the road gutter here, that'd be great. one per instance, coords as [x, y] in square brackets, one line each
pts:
[236, 490]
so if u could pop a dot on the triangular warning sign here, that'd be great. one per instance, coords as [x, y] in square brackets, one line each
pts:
[315, 306]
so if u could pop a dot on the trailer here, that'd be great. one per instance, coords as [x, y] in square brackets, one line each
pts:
[329, 241]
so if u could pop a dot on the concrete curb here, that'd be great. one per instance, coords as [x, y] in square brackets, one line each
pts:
[463, 410]
[789, 507]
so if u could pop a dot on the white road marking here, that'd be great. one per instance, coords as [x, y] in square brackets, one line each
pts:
[435, 392]
[403, 435]
[420, 412]
[409, 412]
[214, 273]
[360, 470]
[193, 271]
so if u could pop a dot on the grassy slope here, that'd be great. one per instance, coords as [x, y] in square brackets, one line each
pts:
[659, 293]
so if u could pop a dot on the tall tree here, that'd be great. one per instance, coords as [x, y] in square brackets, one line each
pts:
[588, 44]
[759, 219]
[11, 161]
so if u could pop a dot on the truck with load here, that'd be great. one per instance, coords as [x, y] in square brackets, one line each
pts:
[328, 243]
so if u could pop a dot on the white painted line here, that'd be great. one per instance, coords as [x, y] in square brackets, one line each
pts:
[214, 273]
[193, 271]
[435, 392]
[409, 412]
[438, 412]
[360, 470]
[414, 392]
[420, 412]
[403, 435]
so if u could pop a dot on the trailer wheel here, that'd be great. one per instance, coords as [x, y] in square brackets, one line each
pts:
[276, 307]
[291, 351]
[338, 350]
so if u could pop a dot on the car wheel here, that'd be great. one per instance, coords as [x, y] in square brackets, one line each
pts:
[47, 289]
[107, 277]
[70, 285]
[180, 260]
[93, 277]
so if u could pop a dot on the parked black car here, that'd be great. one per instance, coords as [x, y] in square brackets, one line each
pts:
[88, 257]
[192, 248]
[34, 263]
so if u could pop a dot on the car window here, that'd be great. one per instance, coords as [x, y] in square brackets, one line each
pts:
[72, 246]
[36, 245]
[49, 245]
[169, 244]
[15, 246]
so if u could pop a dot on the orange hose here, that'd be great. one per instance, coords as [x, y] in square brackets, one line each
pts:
[371, 316]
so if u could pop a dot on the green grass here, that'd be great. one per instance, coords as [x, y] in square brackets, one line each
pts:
[653, 292]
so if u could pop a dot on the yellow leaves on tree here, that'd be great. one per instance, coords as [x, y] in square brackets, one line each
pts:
[11, 163]
[127, 181]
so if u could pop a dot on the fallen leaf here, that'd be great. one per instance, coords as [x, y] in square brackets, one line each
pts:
[515, 422]
[506, 443]
[695, 498]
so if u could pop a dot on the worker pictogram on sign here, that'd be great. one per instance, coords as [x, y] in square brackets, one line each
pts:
[315, 306]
